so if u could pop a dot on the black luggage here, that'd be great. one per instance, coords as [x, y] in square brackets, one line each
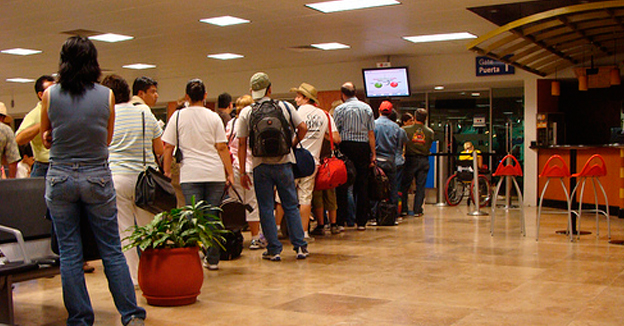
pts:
[386, 213]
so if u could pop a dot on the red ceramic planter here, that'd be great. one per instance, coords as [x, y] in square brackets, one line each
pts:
[170, 277]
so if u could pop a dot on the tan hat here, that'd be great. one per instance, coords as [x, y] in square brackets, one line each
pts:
[307, 90]
[4, 112]
[259, 83]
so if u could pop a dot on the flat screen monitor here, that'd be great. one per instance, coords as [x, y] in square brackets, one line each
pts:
[386, 82]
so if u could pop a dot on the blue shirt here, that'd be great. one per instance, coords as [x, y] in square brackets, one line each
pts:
[79, 125]
[400, 159]
[354, 119]
[388, 137]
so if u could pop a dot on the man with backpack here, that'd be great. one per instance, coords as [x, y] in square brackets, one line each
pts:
[270, 125]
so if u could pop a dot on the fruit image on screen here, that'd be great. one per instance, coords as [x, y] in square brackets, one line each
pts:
[386, 82]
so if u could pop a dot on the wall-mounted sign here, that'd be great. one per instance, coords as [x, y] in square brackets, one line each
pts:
[490, 67]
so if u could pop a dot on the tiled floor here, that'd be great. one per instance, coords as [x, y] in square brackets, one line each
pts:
[440, 269]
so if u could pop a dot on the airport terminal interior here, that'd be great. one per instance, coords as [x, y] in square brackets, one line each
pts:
[443, 268]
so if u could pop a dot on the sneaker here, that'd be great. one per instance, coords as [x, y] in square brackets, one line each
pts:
[257, 244]
[361, 228]
[136, 321]
[403, 213]
[302, 253]
[335, 229]
[308, 239]
[205, 262]
[399, 219]
[341, 228]
[372, 222]
[213, 267]
[266, 255]
[319, 230]
[418, 214]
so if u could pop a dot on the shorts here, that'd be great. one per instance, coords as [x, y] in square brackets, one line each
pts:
[325, 199]
[305, 187]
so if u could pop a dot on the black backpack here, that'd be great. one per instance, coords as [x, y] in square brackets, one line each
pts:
[270, 134]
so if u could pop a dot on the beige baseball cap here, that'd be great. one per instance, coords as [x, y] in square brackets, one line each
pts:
[259, 83]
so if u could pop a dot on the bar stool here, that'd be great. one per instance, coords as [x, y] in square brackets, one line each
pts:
[511, 170]
[551, 170]
[594, 172]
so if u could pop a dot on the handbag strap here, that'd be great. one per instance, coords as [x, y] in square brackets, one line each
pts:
[331, 134]
[232, 131]
[177, 133]
[292, 123]
[143, 125]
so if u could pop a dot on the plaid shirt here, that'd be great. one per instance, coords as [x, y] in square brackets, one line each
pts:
[8, 146]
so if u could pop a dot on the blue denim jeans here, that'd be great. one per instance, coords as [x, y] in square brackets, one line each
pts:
[267, 177]
[415, 167]
[68, 188]
[39, 169]
[211, 193]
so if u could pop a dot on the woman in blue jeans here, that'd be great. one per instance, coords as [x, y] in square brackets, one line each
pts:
[77, 119]
[206, 165]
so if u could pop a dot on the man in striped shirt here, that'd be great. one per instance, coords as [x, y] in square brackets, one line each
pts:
[356, 124]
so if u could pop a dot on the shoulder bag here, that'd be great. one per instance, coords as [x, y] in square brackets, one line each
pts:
[153, 191]
[332, 172]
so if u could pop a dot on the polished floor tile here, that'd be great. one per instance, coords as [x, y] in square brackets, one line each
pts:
[440, 269]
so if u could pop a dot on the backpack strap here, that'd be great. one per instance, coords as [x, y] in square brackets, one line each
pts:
[291, 122]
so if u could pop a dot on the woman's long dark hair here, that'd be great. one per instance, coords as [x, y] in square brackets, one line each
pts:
[78, 68]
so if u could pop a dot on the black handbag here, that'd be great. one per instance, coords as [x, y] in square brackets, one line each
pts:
[378, 184]
[351, 172]
[153, 191]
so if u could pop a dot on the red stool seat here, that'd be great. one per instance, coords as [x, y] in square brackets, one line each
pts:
[508, 170]
[555, 171]
[594, 170]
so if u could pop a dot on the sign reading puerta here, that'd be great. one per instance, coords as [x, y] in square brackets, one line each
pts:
[490, 67]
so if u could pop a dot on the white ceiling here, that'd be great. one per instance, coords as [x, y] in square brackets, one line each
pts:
[168, 34]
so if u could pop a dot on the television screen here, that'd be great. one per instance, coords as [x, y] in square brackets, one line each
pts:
[386, 82]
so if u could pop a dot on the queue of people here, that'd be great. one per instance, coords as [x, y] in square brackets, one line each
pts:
[92, 167]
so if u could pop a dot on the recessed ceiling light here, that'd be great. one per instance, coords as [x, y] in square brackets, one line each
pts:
[225, 56]
[439, 88]
[20, 80]
[20, 51]
[139, 66]
[439, 37]
[111, 38]
[330, 46]
[342, 5]
[224, 21]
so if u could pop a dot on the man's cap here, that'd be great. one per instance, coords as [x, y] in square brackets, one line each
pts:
[259, 83]
[385, 107]
[306, 90]
[4, 112]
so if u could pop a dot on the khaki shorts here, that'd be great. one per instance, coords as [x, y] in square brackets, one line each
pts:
[325, 199]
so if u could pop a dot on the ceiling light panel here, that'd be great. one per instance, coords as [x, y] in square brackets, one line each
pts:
[20, 51]
[224, 21]
[330, 46]
[439, 37]
[20, 80]
[139, 66]
[343, 5]
[225, 56]
[111, 38]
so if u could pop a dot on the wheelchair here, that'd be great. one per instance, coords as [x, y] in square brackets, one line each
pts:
[461, 184]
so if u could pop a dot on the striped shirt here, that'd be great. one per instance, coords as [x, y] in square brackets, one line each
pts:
[354, 119]
[126, 148]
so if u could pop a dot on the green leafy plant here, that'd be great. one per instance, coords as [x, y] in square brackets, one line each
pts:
[187, 226]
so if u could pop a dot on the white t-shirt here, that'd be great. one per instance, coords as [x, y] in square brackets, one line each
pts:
[200, 130]
[316, 120]
[242, 130]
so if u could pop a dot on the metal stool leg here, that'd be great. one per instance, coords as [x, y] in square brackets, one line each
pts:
[539, 210]
[498, 185]
[607, 207]
[520, 203]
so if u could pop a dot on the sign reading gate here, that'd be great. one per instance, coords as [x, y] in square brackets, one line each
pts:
[490, 67]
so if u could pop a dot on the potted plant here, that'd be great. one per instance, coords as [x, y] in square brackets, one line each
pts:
[170, 270]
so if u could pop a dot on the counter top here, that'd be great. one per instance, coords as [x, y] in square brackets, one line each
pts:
[615, 145]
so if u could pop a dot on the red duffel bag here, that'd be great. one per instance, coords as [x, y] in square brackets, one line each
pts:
[332, 172]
